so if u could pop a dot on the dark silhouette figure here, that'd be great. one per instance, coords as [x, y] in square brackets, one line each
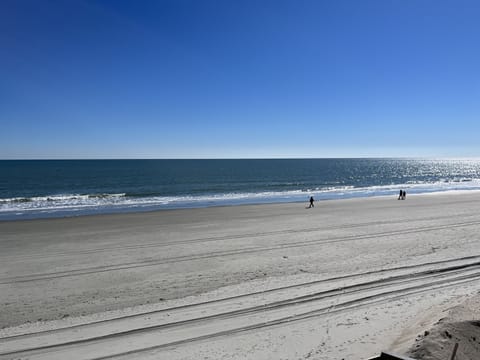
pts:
[311, 202]
[400, 195]
[404, 195]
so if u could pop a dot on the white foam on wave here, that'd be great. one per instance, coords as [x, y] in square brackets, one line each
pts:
[59, 198]
[74, 203]
[52, 202]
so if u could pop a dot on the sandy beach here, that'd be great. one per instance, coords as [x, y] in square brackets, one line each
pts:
[343, 280]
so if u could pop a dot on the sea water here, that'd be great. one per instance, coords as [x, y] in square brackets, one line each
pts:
[55, 188]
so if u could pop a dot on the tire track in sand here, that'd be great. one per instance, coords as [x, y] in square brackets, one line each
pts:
[216, 254]
[228, 237]
[97, 341]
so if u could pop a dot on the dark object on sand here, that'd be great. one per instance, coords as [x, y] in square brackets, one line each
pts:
[455, 348]
[389, 356]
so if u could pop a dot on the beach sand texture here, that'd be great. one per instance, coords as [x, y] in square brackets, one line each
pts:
[343, 280]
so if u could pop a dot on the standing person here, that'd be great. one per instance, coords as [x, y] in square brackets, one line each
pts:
[404, 195]
[311, 202]
[400, 196]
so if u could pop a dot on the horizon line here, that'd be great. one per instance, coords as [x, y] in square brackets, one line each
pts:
[254, 158]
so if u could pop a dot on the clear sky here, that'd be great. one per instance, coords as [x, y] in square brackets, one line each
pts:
[239, 78]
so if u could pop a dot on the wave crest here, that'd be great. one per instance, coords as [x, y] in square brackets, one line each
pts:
[103, 202]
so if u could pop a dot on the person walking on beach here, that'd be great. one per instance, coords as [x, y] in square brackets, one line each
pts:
[311, 202]
[400, 195]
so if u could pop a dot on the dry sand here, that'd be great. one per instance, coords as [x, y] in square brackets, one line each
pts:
[461, 325]
[343, 280]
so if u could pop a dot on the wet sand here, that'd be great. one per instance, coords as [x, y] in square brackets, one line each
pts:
[345, 279]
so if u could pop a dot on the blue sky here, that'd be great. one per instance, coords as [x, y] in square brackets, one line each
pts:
[241, 79]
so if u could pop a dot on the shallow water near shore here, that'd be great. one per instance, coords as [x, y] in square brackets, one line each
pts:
[57, 188]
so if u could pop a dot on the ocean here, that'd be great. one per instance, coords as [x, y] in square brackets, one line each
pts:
[57, 188]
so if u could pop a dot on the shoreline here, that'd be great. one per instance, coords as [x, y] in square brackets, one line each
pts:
[63, 272]
[103, 212]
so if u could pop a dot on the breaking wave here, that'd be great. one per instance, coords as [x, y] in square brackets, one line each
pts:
[78, 204]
